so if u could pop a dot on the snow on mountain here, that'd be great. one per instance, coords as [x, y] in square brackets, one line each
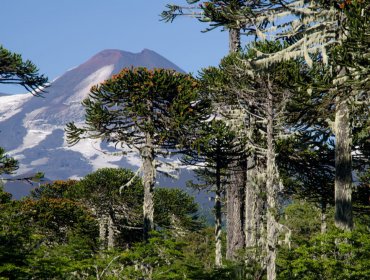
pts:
[32, 128]
[11, 105]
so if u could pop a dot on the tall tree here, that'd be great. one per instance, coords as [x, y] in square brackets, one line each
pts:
[263, 93]
[215, 150]
[317, 26]
[215, 13]
[147, 110]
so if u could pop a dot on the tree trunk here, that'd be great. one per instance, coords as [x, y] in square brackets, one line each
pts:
[343, 166]
[147, 155]
[234, 40]
[218, 220]
[254, 227]
[250, 213]
[272, 229]
[235, 240]
[102, 220]
[110, 241]
[323, 217]
[254, 212]
[106, 231]
[235, 215]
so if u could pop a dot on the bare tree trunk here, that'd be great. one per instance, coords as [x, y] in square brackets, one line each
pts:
[235, 239]
[272, 229]
[254, 213]
[147, 154]
[230, 197]
[343, 167]
[106, 231]
[234, 40]
[323, 217]
[250, 213]
[102, 220]
[218, 218]
[235, 214]
[110, 244]
[253, 202]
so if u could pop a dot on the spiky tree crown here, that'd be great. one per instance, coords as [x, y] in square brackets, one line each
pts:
[161, 102]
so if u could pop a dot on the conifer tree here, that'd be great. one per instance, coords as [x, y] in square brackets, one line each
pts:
[318, 26]
[215, 149]
[149, 111]
[262, 93]
[215, 13]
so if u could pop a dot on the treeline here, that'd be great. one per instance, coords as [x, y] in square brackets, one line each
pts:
[278, 133]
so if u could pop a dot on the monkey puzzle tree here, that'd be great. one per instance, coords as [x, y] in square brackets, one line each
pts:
[216, 14]
[149, 111]
[264, 94]
[310, 27]
[215, 149]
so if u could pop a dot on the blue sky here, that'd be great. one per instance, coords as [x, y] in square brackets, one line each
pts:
[60, 34]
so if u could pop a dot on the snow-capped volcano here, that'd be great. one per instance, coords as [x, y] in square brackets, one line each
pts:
[32, 128]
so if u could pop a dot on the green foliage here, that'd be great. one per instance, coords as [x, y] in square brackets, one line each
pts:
[303, 220]
[159, 102]
[161, 258]
[214, 148]
[214, 12]
[7, 164]
[313, 255]
[16, 240]
[56, 189]
[335, 255]
[55, 218]
[106, 187]
[13, 70]
[44, 238]
[5, 197]
[167, 257]
[68, 260]
[306, 167]
[175, 209]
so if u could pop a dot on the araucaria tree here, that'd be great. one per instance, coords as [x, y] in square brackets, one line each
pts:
[215, 149]
[215, 14]
[147, 110]
[312, 27]
[263, 94]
